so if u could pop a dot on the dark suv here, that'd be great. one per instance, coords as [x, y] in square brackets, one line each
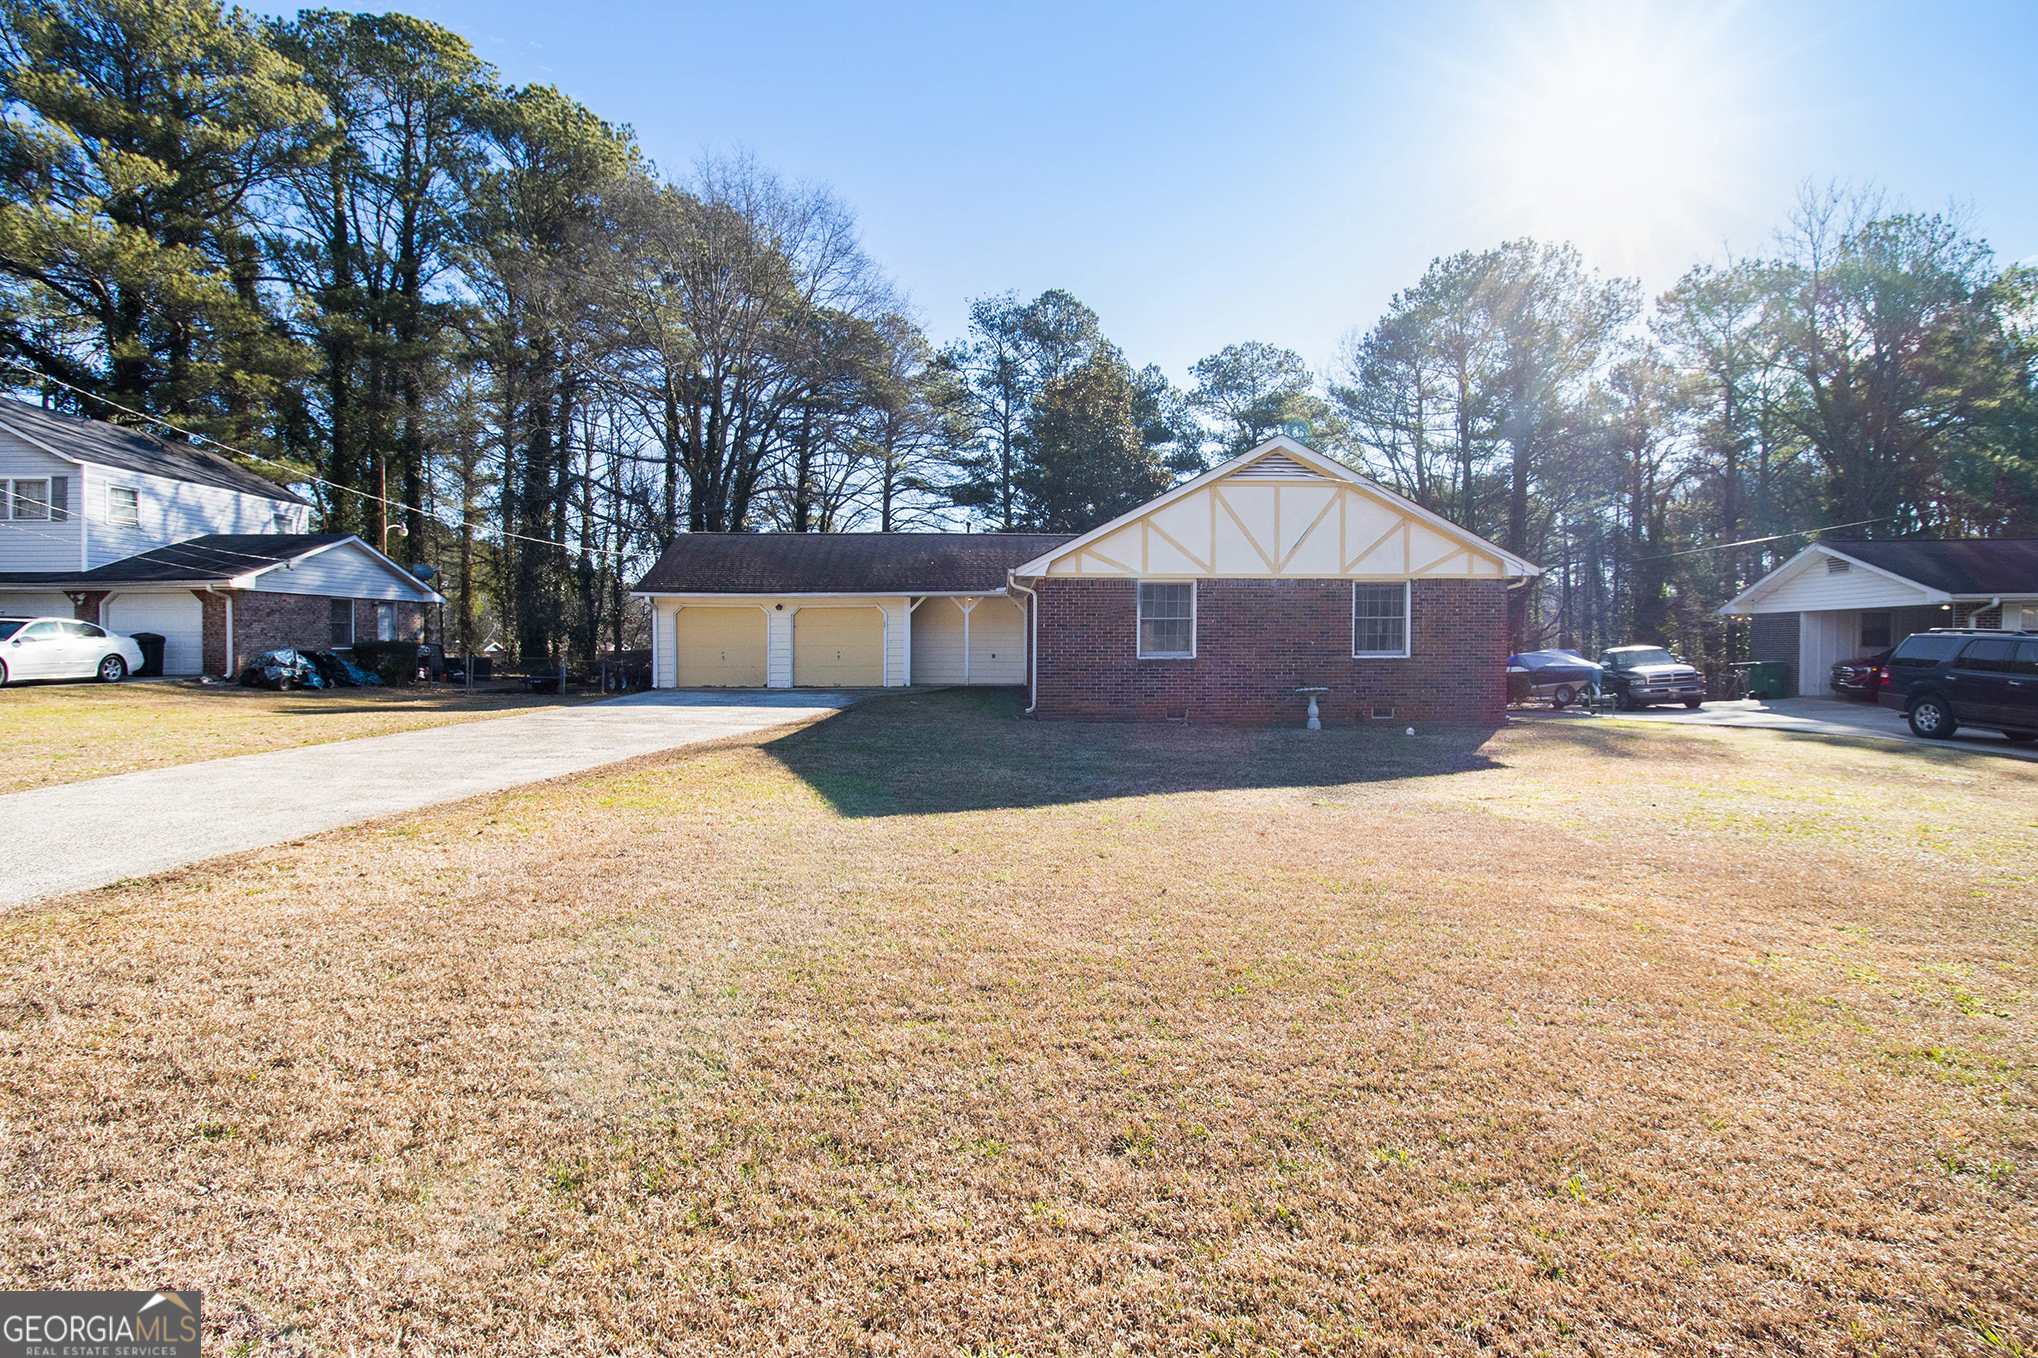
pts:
[1945, 679]
[1642, 676]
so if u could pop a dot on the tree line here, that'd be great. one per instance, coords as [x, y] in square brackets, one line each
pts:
[488, 334]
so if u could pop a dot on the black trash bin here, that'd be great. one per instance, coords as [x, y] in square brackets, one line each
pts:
[152, 655]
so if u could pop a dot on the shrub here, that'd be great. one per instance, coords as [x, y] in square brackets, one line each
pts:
[395, 661]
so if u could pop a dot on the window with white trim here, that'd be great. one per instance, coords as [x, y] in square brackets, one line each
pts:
[1379, 619]
[1167, 620]
[123, 506]
[29, 499]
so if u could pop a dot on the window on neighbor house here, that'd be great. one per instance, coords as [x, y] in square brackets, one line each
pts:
[385, 622]
[31, 499]
[342, 615]
[123, 506]
[280, 521]
[1379, 619]
[1167, 621]
[1875, 629]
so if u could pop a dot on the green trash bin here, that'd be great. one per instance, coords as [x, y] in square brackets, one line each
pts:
[1765, 679]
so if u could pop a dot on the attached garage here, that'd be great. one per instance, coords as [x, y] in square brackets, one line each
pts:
[36, 604]
[719, 647]
[838, 648]
[969, 640]
[176, 617]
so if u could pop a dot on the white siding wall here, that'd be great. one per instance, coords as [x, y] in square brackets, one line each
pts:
[32, 545]
[778, 631]
[344, 572]
[997, 642]
[1823, 640]
[1812, 587]
[172, 511]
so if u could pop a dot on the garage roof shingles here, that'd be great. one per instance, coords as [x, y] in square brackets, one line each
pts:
[1955, 566]
[842, 563]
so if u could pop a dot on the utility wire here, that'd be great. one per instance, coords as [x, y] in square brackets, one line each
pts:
[200, 439]
[1750, 542]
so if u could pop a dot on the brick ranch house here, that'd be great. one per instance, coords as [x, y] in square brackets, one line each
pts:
[1280, 570]
[112, 527]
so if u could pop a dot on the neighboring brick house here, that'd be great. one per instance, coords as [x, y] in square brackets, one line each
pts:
[1279, 571]
[117, 528]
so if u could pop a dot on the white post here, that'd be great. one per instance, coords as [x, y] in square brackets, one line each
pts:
[967, 606]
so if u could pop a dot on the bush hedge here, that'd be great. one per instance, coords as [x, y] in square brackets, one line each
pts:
[395, 661]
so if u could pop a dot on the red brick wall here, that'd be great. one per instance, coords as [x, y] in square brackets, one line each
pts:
[1257, 641]
[410, 621]
[269, 622]
[212, 643]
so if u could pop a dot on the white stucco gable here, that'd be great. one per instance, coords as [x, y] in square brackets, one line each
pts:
[1281, 510]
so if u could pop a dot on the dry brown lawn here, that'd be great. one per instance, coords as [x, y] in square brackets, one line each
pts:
[929, 1031]
[66, 733]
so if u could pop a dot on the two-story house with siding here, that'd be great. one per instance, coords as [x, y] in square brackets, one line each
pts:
[115, 527]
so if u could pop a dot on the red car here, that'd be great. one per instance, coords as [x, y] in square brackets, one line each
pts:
[1860, 677]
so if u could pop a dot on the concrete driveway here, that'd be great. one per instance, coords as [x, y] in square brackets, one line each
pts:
[1817, 716]
[82, 835]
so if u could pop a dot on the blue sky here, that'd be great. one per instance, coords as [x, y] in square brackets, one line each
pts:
[1202, 174]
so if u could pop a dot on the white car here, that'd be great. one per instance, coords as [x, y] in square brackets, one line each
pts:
[62, 648]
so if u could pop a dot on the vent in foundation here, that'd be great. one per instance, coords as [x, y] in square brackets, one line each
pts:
[1383, 714]
[1179, 714]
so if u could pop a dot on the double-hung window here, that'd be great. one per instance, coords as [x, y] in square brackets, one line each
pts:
[1167, 620]
[340, 617]
[385, 622]
[27, 499]
[1380, 619]
[123, 506]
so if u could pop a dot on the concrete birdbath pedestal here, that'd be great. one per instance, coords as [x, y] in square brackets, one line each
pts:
[1315, 717]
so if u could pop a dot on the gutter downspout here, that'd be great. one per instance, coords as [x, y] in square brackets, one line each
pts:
[1032, 640]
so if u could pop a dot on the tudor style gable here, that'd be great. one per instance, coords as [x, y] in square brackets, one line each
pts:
[1280, 511]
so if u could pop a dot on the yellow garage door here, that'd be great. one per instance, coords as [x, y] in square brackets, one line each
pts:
[838, 648]
[721, 648]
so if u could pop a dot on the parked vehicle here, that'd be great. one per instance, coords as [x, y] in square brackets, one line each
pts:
[1563, 677]
[64, 648]
[1948, 677]
[1643, 676]
[1861, 677]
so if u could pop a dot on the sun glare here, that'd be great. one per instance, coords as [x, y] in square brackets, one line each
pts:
[1617, 128]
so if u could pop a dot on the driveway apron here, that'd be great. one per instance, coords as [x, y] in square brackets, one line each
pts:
[83, 835]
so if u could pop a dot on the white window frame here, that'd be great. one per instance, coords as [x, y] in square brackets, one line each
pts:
[113, 518]
[1139, 621]
[13, 492]
[1407, 621]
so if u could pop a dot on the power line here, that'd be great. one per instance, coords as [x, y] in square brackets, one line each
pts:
[1750, 542]
[198, 438]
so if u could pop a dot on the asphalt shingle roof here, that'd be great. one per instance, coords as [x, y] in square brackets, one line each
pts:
[216, 556]
[1960, 566]
[842, 563]
[109, 445]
